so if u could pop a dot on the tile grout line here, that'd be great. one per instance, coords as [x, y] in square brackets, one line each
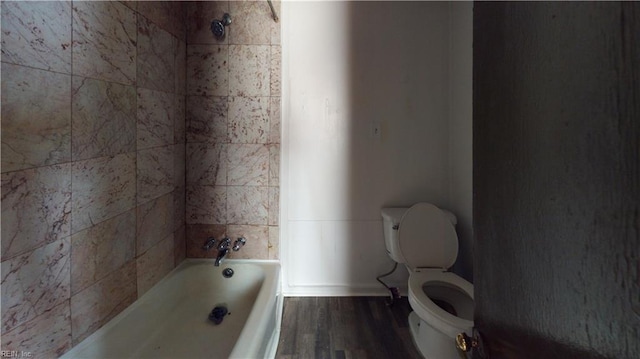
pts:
[71, 47]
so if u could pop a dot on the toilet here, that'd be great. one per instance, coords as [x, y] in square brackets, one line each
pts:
[423, 238]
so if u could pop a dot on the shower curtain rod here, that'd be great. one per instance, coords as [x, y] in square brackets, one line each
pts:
[273, 11]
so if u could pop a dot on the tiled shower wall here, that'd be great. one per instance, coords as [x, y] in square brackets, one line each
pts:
[93, 106]
[233, 128]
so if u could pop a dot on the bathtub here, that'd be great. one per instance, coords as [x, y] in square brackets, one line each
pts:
[171, 319]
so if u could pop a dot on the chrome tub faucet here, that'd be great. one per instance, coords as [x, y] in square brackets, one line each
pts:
[224, 247]
[223, 250]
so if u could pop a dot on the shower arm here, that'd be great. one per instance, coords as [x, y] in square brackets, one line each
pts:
[273, 11]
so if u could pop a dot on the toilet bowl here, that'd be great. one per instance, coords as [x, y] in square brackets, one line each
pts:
[423, 238]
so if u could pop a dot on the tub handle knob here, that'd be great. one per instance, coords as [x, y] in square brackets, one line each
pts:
[241, 241]
[209, 243]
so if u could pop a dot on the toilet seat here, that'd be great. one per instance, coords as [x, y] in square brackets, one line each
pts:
[429, 311]
[427, 238]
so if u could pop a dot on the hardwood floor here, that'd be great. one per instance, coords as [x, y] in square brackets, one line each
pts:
[345, 327]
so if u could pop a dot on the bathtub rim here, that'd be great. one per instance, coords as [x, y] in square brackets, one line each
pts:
[268, 292]
[271, 347]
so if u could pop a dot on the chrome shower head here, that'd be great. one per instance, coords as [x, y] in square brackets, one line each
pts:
[217, 26]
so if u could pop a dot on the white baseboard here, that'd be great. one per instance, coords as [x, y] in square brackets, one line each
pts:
[338, 291]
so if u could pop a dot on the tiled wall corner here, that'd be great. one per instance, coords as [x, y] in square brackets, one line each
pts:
[233, 128]
[93, 146]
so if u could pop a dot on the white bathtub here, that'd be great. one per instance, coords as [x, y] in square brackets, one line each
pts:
[171, 319]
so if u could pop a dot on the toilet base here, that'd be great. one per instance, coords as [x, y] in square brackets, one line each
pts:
[431, 343]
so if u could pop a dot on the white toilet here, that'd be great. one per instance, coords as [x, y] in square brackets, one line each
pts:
[424, 239]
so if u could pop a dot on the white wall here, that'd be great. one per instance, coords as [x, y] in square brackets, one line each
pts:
[351, 69]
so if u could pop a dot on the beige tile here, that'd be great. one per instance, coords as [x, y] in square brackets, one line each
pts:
[181, 67]
[37, 34]
[168, 15]
[249, 70]
[206, 164]
[179, 120]
[155, 56]
[274, 165]
[207, 70]
[274, 28]
[36, 117]
[131, 4]
[102, 188]
[199, 17]
[206, 204]
[104, 118]
[154, 222]
[155, 118]
[179, 165]
[45, 336]
[197, 235]
[274, 242]
[248, 165]
[257, 246]
[36, 208]
[275, 59]
[207, 119]
[247, 205]
[274, 206]
[34, 283]
[179, 207]
[99, 250]
[251, 23]
[155, 173]
[248, 119]
[104, 38]
[179, 245]
[99, 303]
[155, 263]
[274, 120]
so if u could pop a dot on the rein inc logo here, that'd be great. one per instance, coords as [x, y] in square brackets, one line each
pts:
[14, 354]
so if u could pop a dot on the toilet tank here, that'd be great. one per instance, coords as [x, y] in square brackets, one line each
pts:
[390, 221]
[391, 218]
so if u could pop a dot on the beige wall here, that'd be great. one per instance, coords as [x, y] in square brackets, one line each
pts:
[93, 103]
[233, 128]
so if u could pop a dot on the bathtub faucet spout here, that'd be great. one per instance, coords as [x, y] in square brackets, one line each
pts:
[223, 250]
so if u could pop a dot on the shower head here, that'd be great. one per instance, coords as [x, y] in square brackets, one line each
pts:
[217, 26]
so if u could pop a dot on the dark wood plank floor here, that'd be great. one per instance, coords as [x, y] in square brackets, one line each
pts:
[345, 327]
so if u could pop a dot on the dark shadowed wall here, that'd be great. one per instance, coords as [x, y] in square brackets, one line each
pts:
[557, 179]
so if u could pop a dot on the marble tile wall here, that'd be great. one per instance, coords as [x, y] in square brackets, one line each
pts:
[93, 163]
[233, 128]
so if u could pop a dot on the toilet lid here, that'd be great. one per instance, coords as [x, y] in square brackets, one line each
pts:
[427, 238]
